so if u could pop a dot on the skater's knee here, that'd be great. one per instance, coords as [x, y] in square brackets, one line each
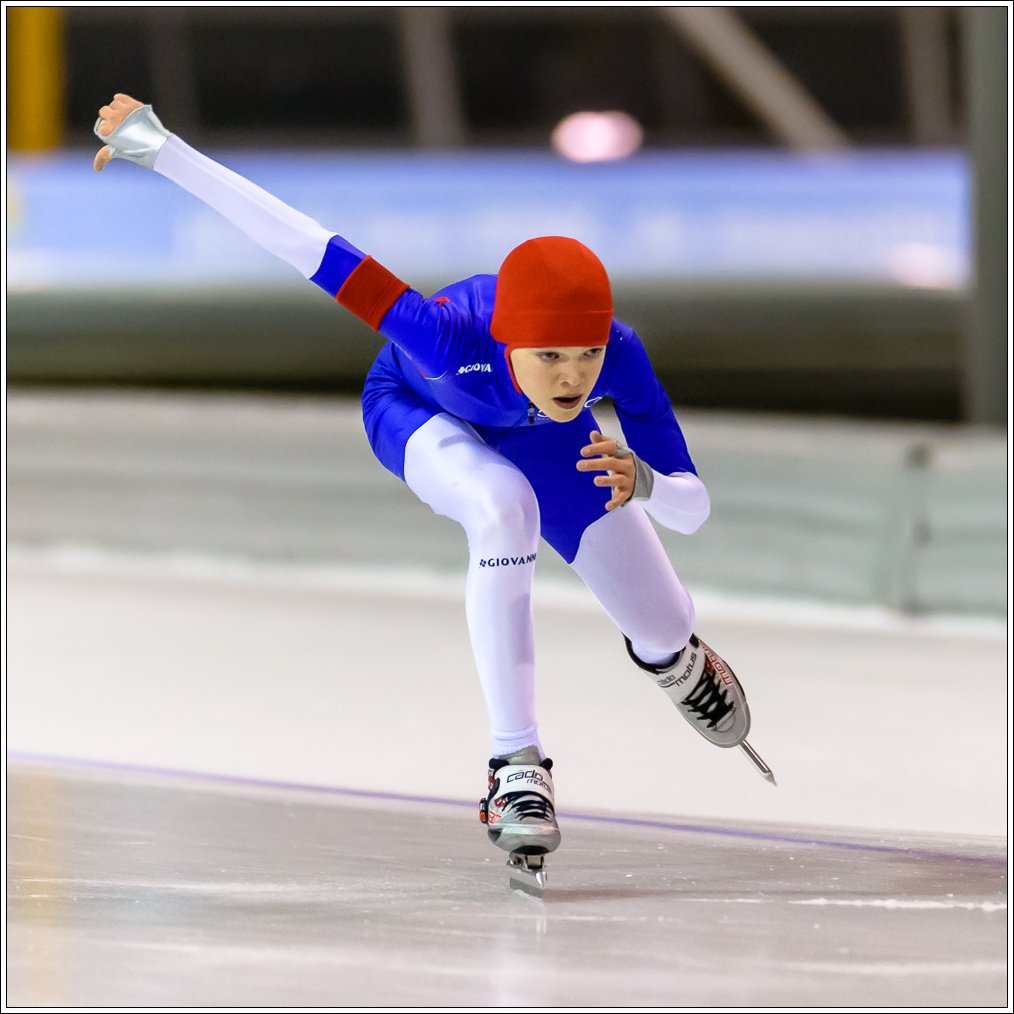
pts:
[508, 508]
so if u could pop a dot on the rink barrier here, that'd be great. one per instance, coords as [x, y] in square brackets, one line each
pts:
[912, 518]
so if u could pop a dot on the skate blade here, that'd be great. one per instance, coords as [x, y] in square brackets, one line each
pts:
[758, 762]
[527, 874]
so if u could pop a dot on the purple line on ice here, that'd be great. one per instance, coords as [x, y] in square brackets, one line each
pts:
[640, 822]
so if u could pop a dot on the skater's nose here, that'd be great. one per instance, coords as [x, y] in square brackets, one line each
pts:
[570, 375]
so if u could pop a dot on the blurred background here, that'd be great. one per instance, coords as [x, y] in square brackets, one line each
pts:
[786, 196]
[804, 211]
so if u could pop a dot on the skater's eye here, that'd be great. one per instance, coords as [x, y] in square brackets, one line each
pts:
[593, 353]
[549, 357]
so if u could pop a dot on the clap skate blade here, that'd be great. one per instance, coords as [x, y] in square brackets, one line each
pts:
[527, 874]
[758, 762]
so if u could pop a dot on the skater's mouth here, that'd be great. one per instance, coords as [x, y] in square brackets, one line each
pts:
[568, 402]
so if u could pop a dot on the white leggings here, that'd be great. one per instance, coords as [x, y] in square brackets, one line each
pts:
[622, 561]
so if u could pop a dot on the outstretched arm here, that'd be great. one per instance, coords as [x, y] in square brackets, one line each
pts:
[420, 327]
[134, 133]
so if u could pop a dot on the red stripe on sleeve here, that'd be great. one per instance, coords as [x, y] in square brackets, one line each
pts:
[370, 291]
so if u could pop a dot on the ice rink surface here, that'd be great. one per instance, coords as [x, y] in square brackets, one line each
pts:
[131, 889]
[252, 782]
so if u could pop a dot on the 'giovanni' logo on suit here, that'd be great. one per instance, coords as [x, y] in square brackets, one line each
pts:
[508, 561]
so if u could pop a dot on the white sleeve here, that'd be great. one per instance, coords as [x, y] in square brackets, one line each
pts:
[269, 222]
[679, 501]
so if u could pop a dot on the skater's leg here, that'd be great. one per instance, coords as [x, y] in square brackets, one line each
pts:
[617, 553]
[623, 563]
[450, 468]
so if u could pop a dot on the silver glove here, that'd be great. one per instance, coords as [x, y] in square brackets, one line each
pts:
[138, 139]
[644, 477]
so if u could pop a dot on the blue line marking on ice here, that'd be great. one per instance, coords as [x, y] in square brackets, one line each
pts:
[638, 822]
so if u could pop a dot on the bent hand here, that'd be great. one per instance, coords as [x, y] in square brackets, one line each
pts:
[110, 117]
[619, 466]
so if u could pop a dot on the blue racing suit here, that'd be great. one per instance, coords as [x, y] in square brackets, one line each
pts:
[441, 357]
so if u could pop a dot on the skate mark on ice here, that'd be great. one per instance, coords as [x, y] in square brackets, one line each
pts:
[913, 903]
[899, 968]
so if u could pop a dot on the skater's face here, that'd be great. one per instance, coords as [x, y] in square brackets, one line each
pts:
[558, 381]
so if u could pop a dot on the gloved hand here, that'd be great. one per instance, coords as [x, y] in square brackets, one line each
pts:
[629, 477]
[131, 131]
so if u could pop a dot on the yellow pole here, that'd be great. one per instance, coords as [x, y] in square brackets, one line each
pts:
[35, 78]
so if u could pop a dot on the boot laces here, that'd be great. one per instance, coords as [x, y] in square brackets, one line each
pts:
[528, 804]
[708, 701]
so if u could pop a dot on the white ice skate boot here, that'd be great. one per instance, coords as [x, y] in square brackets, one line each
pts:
[520, 815]
[707, 694]
[705, 690]
[519, 811]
